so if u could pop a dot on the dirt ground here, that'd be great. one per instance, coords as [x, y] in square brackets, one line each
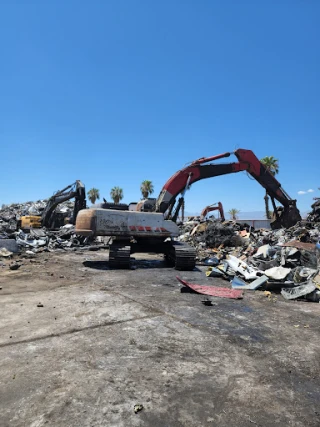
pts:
[104, 340]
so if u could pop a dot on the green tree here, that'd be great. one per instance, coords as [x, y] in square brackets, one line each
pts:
[116, 194]
[233, 213]
[146, 188]
[272, 165]
[93, 195]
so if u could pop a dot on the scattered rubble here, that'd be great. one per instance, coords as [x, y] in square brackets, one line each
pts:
[14, 266]
[15, 240]
[283, 260]
[137, 408]
[4, 252]
[11, 214]
[314, 215]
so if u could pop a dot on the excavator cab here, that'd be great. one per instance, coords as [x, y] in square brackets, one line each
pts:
[146, 205]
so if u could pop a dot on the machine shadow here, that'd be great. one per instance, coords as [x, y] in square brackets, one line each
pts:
[135, 264]
[97, 265]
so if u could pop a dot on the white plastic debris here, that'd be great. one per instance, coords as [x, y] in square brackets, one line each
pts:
[242, 268]
[33, 243]
[183, 237]
[240, 284]
[63, 209]
[67, 227]
[30, 253]
[5, 253]
[262, 251]
[277, 273]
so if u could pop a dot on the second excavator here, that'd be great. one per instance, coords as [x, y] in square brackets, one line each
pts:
[49, 218]
[153, 227]
[210, 208]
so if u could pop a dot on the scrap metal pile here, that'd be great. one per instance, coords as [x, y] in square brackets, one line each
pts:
[282, 260]
[13, 239]
[314, 215]
[11, 214]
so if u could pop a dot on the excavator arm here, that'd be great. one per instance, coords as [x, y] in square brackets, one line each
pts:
[264, 177]
[247, 161]
[75, 190]
[214, 207]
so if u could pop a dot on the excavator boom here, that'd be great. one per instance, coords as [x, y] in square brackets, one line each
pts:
[76, 190]
[264, 177]
[247, 161]
[214, 207]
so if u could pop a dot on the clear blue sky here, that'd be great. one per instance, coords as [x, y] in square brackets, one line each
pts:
[114, 92]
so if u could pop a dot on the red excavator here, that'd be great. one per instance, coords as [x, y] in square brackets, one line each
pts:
[152, 228]
[214, 207]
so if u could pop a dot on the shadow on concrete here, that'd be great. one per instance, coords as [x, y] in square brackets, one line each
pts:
[135, 264]
[97, 265]
[149, 263]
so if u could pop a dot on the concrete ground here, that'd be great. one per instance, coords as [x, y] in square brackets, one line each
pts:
[103, 340]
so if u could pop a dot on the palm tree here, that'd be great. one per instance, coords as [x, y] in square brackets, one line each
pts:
[233, 213]
[93, 195]
[146, 188]
[270, 213]
[272, 165]
[116, 194]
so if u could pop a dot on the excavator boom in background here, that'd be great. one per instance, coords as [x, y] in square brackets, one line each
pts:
[214, 207]
[148, 229]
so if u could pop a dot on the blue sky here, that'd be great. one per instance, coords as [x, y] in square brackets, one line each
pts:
[115, 92]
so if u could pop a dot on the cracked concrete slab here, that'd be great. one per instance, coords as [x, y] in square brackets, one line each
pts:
[106, 340]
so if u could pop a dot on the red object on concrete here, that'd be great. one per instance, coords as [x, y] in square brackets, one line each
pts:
[213, 290]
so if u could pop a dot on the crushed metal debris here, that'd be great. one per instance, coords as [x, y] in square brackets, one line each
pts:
[285, 261]
[33, 240]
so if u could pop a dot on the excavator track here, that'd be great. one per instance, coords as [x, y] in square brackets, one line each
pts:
[182, 256]
[119, 255]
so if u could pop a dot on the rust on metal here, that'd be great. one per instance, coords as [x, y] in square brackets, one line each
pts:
[300, 245]
[85, 223]
[213, 291]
